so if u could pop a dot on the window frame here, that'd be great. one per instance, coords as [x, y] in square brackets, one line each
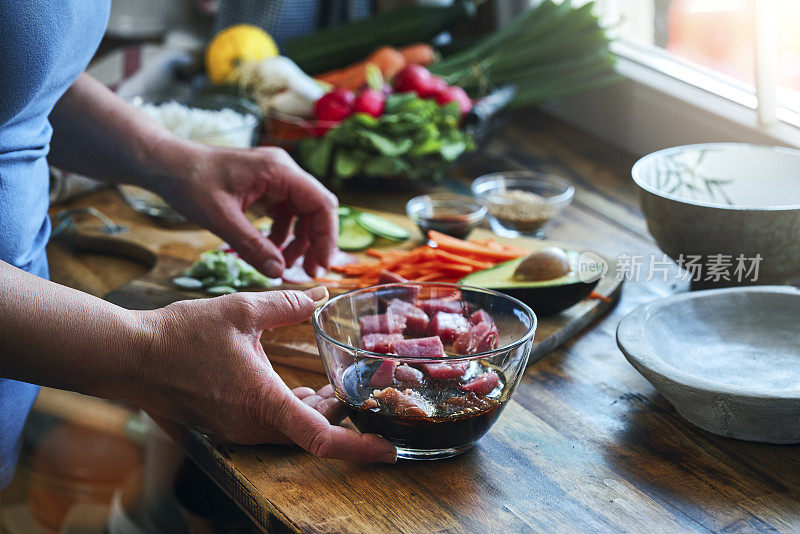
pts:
[687, 102]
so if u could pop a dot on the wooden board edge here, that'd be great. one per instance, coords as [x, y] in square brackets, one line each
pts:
[551, 343]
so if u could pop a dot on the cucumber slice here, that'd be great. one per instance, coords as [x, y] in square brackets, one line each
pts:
[344, 211]
[352, 236]
[220, 290]
[382, 227]
[187, 282]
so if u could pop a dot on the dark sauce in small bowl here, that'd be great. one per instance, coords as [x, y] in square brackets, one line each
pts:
[451, 214]
[458, 418]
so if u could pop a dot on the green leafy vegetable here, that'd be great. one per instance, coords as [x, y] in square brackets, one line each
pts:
[413, 139]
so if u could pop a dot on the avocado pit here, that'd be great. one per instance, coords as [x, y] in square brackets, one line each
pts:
[547, 263]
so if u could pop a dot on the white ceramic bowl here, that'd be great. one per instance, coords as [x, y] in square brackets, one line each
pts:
[725, 198]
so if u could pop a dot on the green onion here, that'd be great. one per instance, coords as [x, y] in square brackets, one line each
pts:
[551, 51]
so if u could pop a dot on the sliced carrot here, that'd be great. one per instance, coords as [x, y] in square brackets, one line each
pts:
[427, 277]
[452, 244]
[448, 256]
[598, 296]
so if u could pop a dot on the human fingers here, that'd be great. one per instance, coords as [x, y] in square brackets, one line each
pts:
[233, 226]
[311, 430]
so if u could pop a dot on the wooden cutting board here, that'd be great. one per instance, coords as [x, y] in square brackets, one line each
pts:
[168, 250]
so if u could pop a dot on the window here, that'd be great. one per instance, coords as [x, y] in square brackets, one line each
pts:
[745, 50]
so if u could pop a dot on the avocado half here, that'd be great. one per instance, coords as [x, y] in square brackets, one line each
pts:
[545, 297]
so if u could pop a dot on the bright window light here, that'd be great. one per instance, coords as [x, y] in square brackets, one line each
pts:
[745, 50]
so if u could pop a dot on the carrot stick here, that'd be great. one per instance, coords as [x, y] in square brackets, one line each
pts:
[598, 296]
[452, 244]
[445, 256]
[427, 277]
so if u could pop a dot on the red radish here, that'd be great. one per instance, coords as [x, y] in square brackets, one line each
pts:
[412, 78]
[435, 86]
[454, 94]
[334, 106]
[370, 101]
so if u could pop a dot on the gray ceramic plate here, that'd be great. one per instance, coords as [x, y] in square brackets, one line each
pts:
[727, 359]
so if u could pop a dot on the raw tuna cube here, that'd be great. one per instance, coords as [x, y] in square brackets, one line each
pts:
[482, 384]
[480, 316]
[445, 370]
[416, 320]
[433, 306]
[408, 402]
[381, 324]
[384, 375]
[423, 347]
[448, 326]
[408, 375]
[388, 277]
[380, 342]
[480, 337]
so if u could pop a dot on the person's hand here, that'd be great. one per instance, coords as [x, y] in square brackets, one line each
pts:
[207, 369]
[214, 186]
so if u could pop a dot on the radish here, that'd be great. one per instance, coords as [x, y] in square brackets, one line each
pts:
[454, 94]
[435, 86]
[370, 101]
[334, 106]
[413, 78]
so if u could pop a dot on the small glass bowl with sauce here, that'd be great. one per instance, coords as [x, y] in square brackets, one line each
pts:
[449, 213]
[522, 203]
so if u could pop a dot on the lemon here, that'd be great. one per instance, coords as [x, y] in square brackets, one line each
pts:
[235, 45]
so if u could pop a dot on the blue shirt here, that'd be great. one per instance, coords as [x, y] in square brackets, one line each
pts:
[44, 46]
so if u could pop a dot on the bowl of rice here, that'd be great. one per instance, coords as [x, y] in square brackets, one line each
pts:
[213, 119]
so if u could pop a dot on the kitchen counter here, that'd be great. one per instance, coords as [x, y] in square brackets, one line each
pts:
[585, 444]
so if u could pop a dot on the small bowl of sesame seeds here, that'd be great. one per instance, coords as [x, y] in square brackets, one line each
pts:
[522, 203]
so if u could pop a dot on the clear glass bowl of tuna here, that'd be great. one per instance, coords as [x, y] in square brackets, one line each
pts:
[428, 366]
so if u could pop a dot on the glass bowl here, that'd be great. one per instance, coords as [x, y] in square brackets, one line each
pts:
[244, 135]
[451, 214]
[522, 203]
[428, 406]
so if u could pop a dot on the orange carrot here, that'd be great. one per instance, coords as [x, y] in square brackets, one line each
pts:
[453, 244]
[419, 54]
[427, 277]
[447, 256]
[598, 296]
[386, 58]
[444, 259]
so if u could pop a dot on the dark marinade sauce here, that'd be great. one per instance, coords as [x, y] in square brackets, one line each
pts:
[455, 225]
[456, 423]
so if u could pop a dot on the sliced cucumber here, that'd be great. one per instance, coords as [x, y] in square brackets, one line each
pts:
[352, 236]
[220, 290]
[344, 211]
[381, 227]
[187, 282]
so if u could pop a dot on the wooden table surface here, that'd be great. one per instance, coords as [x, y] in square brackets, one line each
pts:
[585, 444]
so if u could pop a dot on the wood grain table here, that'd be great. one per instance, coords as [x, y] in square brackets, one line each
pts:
[585, 444]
